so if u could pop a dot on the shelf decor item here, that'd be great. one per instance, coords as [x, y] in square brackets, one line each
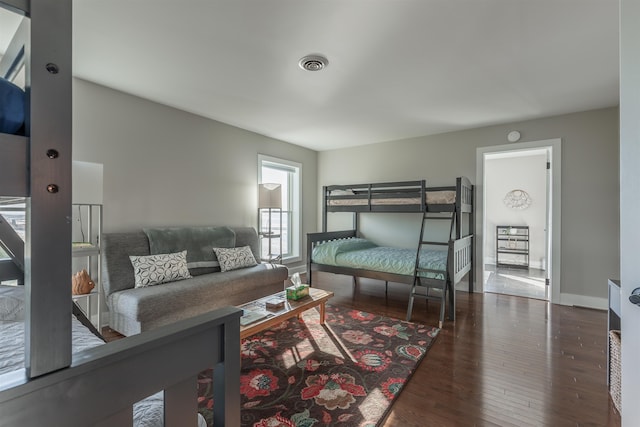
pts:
[517, 199]
[270, 204]
[81, 283]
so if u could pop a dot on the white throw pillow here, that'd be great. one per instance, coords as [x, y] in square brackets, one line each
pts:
[162, 268]
[235, 258]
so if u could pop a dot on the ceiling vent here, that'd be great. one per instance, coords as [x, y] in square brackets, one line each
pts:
[313, 62]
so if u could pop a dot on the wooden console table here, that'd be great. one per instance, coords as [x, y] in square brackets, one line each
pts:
[317, 297]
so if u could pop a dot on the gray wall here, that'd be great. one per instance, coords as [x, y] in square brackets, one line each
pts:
[164, 167]
[590, 224]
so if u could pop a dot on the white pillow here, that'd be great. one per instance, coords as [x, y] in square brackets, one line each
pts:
[342, 193]
[162, 268]
[12, 303]
[235, 258]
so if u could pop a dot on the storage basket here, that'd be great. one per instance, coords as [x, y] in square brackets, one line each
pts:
[615, 368]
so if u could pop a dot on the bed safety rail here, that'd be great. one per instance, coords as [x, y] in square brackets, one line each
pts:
[460, 258]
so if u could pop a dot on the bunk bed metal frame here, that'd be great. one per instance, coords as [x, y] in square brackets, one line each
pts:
[460, 259]
[92, 387]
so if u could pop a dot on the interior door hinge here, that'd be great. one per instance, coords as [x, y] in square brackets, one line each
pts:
[547, 282]
[548, 165]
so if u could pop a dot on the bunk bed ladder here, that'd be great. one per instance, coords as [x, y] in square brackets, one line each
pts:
[423, 290]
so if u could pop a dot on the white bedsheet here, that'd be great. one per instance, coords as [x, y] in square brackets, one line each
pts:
[12, 338]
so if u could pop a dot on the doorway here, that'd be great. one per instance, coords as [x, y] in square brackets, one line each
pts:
[518, 244]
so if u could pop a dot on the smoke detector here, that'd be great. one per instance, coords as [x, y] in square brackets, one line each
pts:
[313, 62]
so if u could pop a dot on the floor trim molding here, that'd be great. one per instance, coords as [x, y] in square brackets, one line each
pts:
[584, 301]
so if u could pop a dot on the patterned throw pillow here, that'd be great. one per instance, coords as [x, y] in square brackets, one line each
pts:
[235, 258]
[12, 305]
[155, 269]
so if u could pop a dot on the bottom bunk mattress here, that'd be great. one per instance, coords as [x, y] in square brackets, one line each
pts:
[146, 413]
[362, 254]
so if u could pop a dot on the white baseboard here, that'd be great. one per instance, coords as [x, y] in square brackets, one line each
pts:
[532, 264]
[584, 301]
[297, 269]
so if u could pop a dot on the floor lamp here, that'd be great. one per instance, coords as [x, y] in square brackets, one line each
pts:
[270, 202]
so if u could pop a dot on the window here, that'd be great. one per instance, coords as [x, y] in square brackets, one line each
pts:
[288, 175]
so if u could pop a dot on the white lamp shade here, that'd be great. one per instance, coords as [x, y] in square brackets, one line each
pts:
[269, 196]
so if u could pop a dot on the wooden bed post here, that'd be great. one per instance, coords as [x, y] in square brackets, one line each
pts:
[48, 234]
[324, 208]
[472, 231]
[226, 386]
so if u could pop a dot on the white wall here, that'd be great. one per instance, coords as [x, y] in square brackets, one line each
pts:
[165, 167]
[590, 223]
[502, 175]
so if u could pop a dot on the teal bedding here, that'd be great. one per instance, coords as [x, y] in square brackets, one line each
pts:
[363, 254]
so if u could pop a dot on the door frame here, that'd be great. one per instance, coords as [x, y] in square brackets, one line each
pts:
[555, 149]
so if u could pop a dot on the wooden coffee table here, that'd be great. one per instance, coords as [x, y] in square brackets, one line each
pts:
[316, 297]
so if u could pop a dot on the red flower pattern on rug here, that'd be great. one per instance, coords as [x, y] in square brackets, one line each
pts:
[259, 382]
[346, 373]
[332, 391]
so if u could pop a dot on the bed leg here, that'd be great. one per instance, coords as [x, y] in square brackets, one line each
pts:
[443, 303]
[386, 289]
[355, 287]
[410, 307]
[411, 299]
[452, 301]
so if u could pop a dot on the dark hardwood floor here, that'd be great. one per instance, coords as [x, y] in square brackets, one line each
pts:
[506, 361]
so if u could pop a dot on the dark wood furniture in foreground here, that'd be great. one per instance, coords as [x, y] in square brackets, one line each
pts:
[506, 361]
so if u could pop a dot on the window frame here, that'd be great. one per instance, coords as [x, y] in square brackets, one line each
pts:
[294, 199]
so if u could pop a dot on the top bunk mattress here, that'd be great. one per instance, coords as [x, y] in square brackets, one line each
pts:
[446, 197]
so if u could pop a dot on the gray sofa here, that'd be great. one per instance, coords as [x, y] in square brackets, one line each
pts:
[134, 310]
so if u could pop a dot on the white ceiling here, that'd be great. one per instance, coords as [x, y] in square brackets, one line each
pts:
[398, 68]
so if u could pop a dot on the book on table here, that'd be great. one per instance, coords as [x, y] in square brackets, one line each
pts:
[252, 316]
[274, 303]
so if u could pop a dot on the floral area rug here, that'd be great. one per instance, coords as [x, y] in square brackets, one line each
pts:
[344, 373]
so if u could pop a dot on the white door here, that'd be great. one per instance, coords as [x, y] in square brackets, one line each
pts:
[630, 206]
[553, 203]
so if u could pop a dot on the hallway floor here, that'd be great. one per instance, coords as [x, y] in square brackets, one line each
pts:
[529, 283]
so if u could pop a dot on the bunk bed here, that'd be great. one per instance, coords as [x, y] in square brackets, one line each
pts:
[438, 265]
[51, 379]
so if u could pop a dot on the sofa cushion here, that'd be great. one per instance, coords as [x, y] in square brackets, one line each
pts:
[189, 295]
[117, 271]
[197, 241]
[235, 258]
[152, 270]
